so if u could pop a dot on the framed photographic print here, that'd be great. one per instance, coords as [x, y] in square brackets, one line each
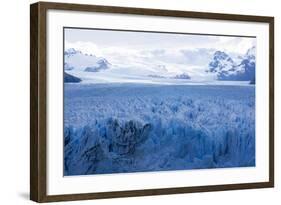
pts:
[135, 102]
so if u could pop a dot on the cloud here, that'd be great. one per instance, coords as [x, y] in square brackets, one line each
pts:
[200, 56]
[236, 44]
[174, 52]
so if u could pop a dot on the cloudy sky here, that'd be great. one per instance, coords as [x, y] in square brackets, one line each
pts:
[146, 48]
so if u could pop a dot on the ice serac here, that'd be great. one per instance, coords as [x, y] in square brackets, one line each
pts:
[75, 60]
[67, 78]
[180, 128]
[226, 68]
[99, 148]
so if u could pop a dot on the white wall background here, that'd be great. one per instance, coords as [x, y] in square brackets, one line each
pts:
[14, 101]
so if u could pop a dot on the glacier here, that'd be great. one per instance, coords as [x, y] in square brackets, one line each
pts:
[135, 127]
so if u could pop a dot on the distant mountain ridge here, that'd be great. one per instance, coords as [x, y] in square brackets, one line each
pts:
[67, 78]
[78, 61]
[78, 64]
[226, 68]
[222, 66]
[101, 64]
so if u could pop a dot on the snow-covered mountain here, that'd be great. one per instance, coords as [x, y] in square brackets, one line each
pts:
[221, 62]
[92, 69]
[222, 67]
[75, 60]
[101, 64]
[225, 68]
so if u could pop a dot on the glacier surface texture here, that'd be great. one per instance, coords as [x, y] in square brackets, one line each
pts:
[122, 128]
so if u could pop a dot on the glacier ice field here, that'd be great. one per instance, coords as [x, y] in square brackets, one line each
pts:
[123, 128]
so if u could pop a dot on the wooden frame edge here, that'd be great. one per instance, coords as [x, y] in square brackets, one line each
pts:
[34, 191]
[38, 84]
[271, 101]
[37, 102]
[153, 12]
[155, 192]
